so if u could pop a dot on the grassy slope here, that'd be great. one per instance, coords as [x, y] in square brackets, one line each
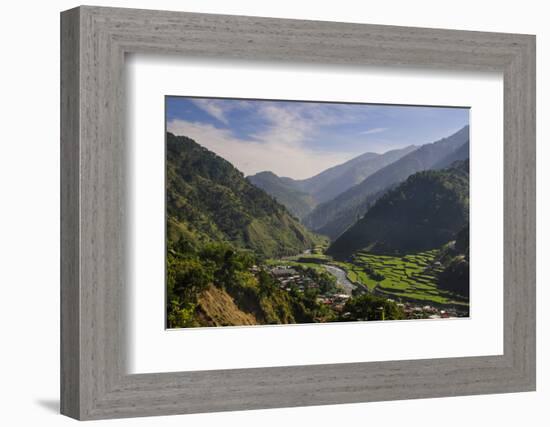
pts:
[217, 308]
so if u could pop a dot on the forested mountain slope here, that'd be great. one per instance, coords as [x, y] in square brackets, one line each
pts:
[422, 213]
[297, 202]
[207, 199]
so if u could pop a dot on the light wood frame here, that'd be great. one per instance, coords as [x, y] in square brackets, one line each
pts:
[94, 41]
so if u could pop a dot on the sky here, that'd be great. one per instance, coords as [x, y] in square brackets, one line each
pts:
[300, 139]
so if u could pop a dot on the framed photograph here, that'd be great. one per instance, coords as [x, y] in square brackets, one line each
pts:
[262, 213]
[286, 214]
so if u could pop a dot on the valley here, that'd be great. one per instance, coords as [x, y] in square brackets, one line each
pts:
[248, 250]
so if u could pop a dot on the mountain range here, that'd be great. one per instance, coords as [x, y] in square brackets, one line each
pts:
[331, 201]
[302, 196]
[334, 217]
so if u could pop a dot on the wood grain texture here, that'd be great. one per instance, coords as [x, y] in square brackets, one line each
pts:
[70, 220]
[94, 271]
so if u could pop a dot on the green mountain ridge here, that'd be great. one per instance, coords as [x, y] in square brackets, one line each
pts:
[424, 212]
[209, 200]
[297, 202]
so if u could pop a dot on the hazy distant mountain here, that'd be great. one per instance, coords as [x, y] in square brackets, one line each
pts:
[296, 201]
[301, 196]
[333, 181]
[335, 216]
[422, 213]
[347, 217]
[461, 153]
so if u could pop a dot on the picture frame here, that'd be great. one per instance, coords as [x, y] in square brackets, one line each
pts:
[94, 380]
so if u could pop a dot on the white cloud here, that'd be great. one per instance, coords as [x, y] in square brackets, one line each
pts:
[212, 107]
[287, 126]
[278, 149]
[373, 130]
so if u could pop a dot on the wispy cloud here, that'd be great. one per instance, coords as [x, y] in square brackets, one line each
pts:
[278, 153]
[214, 108]
[285, 125]
[373, 131]
[296, 123]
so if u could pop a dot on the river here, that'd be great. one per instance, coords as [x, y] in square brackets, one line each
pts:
[340, 278]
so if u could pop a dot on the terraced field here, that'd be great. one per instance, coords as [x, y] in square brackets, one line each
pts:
[409, 277]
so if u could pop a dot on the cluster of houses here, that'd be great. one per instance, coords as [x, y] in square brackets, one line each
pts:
[335, 301]
[413, 311]
[289, 278]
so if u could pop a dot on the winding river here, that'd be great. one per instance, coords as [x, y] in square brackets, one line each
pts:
[340, 278]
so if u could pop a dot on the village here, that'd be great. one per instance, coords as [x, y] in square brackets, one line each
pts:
[415, 311]
[290, 278]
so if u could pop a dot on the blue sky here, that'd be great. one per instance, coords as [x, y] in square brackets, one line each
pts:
[301, 139]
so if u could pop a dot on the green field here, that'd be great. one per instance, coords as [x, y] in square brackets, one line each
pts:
[408, 277]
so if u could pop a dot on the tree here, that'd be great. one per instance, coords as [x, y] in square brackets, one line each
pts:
[181, 315]
[371, 307]
[186, 278]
